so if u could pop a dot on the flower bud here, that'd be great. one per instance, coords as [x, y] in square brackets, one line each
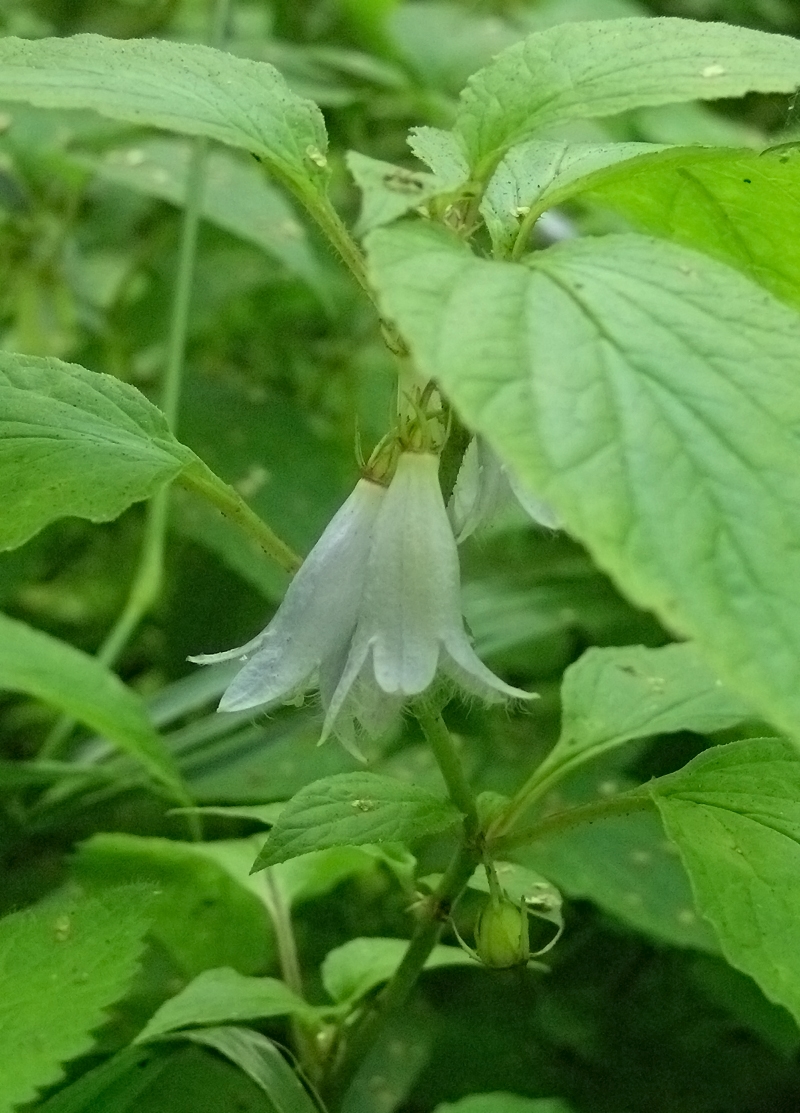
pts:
[501, 934]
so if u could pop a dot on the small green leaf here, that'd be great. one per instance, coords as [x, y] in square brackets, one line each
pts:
[503, 1103]
[237, 197]
[222, 996]
[351, 971]
[734, 814]
[80, 686]
[261, 1061]
[350, 809]
[611, 696]
[181, 87]
[651, 395]
[603, 67]
[388, 191]
[75, 442]
[77, 954]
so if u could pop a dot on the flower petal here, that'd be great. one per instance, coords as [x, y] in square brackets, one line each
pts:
[411, 591]
[463, 665]
[243, 651]
[319, 611]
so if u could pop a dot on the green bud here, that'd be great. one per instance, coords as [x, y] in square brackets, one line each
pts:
[501, 934]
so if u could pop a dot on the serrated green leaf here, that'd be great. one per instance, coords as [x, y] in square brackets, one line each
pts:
[603, 67]
[734, 814]
[75, 442]
[350, 809]
[611, 696]
[77, 954]
[351, 971]
[261, 1061]
[80, 686]
[738, 206]
[181, 87]
[651, 395]
[237, 197]
[223, 996]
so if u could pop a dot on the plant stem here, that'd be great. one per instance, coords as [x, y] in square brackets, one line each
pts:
[227, 499]
[436, 911]
[331, 224]
[449, 763]
[638, 799]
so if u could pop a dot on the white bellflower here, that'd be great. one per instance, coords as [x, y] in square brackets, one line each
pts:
[483, 485]
[311, 630]
[410, 627]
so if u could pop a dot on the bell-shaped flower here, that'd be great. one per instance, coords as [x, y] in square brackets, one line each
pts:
[410, 627]
[483, 485]
[308, 638]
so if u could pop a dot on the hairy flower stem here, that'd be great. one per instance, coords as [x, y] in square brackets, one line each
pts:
[441, 742]
[281, 916]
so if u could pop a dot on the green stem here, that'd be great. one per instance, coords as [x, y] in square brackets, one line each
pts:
[281, 917]
[435, 915]
[444, 751]
[331, 224]
[205, 482]
[638, 799]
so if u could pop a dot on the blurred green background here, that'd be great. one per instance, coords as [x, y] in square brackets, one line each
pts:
[285, 362]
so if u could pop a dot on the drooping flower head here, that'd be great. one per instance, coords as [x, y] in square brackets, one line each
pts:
[313, 626]
[373, 616]
[483, 485]
[410, 627]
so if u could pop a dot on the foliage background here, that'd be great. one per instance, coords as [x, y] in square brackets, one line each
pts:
[284, 362]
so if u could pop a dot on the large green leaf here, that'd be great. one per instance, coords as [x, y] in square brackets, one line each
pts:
[599, 68]
[651, 394]
[611, 696]
[237, 197]
[739, 206]
[351, 809]
[62, 963]
[734, 813]
[221, 996]
[181, 87]
[75, 442]
[80, 686]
